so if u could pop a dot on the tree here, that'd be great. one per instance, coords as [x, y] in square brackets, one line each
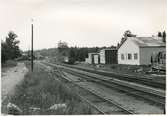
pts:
[3, 52]
[72, 53]
[12, 45]
[81, 56]
[159, 34]
[96, 49]
[164, 36]
[113, 47]
[128, 33]
[10, 48]
[62, 45]
[63, 48]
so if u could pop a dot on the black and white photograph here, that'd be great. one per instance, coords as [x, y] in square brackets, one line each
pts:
[83, 57]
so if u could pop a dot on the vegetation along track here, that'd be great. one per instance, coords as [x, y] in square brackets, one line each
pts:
[97, 101]
[130, 78]
[100, 103]
[151, 97]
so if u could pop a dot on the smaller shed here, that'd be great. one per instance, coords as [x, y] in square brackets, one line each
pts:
[93, 58]
[96, 58]
[108, 56]
[66, 59]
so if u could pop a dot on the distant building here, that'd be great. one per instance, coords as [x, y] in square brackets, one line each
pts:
[93, 58]
[38, 56]
[138, 50]
[66, 59]
[108, 56]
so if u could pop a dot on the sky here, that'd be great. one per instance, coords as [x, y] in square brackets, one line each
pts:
[82, 23]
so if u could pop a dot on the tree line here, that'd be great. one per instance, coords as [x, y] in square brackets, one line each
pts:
[9, 48]
[77, 53]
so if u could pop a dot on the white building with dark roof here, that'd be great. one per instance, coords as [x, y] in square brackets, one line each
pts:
[138, 50]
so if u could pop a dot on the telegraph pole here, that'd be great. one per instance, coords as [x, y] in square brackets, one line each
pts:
[32, 63]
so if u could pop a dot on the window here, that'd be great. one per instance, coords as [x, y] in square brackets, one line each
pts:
[135, 56]
[122, 56]
[129, 56]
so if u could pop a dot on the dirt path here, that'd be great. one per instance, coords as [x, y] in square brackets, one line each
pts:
[11, 78]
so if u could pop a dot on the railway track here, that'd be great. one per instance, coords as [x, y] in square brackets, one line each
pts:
[159, 100]
[97, 101]
[150, 96]
[144, 80]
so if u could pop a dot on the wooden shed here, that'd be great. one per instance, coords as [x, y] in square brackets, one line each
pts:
[108, 56]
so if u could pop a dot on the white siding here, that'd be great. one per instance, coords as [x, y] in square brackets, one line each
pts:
[87, 60]
[90, 58]
[96, 59]
[145, 54]
[128, 47]
[102, 57]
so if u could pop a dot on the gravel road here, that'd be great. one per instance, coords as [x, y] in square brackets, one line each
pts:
[11, 78]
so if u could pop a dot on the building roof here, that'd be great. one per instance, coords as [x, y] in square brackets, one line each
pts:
[93, 53]
[146, 41]
[108, 49]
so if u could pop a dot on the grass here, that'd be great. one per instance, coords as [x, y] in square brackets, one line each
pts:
[134, 70]
[125, 69]
[8, 64]
[40, 89]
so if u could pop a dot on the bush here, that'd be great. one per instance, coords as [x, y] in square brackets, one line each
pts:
[22, 58]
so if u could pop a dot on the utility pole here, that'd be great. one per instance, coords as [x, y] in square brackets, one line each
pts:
[32, 47]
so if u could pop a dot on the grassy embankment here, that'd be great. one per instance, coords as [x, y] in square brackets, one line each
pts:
[40, 89]
[8, 64]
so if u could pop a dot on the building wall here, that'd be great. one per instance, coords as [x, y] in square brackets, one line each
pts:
[111, 56]
[91, 59]
[146, 52]
[96, 59]
[128, 47]
[102, 57]
[108, 56]
[87, 60]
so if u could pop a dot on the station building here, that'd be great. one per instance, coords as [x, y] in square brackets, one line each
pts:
[138, 50]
